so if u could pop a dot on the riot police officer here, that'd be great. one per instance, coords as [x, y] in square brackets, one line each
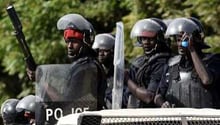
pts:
[191, 77]
[84, 82]
[10, 115]
[145, 71]
[79, 37]
[104, 45]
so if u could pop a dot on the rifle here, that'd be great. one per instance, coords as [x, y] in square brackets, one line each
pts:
[21, 38]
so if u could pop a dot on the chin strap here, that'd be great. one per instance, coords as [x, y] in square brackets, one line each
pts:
[72, 58]
[152, 50]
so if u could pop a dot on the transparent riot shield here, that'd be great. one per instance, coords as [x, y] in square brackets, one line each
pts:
[63, 89]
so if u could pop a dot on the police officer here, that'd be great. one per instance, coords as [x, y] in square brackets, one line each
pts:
[191, 77]
[10, 115]
[104, 45]
[78, 34]
[85, 81]
[145, 71]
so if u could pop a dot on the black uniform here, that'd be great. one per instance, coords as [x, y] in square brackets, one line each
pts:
[147, 72]
[182, 87]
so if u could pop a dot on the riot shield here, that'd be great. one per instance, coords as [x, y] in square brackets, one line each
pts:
[64, 89]
[118, 80]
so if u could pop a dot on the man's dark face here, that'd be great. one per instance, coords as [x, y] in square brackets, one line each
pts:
[73, 47]
[148, 43]
[74, 41]
[104, 56]
[178, 40]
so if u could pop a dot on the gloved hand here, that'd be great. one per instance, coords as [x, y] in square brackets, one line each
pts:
[30, 74]
[166, 104]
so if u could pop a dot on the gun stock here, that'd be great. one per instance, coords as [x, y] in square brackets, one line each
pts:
[21, 38]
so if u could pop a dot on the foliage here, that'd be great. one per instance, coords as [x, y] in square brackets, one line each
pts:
[46, 43]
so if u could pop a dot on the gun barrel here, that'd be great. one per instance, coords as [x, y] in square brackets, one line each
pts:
[21, 38]
[14, 18]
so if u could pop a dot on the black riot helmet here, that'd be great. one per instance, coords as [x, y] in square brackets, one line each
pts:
[147, 28]
[181, 25]
[186, 25]
[10, 115]
[104, 41]
[82, 28]
[104, 45]
[167, 21]
[200, 26]
[161, 23]
[27, 105]
[8, 111]
[201, 32]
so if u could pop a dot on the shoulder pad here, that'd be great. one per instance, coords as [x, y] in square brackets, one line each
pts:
[210, 56]
[159, 56]
[83, 60]
[139, 61]
[174, 60]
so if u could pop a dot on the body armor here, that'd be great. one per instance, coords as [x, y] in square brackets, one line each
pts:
[142, 74]
[185, 88]
[142, 68]
[135, 66]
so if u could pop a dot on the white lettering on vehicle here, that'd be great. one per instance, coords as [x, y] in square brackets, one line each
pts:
[58, 112]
